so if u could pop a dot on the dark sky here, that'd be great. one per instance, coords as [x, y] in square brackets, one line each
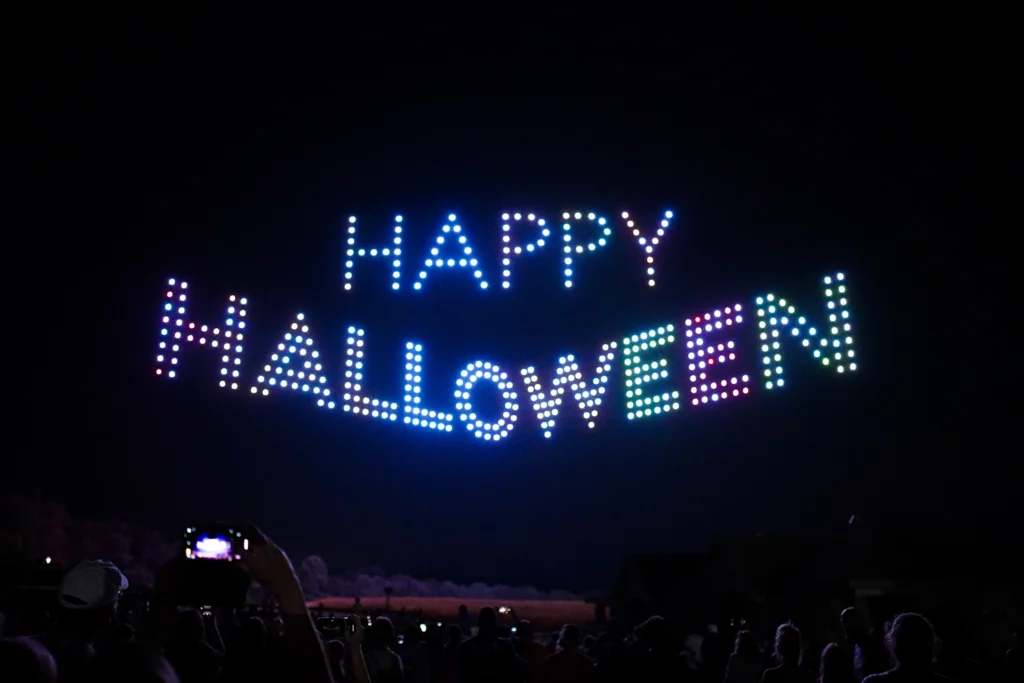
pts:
[230, 153]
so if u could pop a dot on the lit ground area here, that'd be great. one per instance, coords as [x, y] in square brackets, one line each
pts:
[543, 613]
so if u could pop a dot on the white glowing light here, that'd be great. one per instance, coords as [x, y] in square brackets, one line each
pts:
[572, 246]
[511, 247]
[176, 331]
[295, 364]
[212, 548]
[457, 254]
[354, 399]
[832, 346]
[416, 414]
[480, 428]
[588, 394]
[643, 367]
[703, 356]
[648, 242]
[390, 252]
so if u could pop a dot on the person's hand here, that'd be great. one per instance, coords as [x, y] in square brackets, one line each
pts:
[270, 567]
[354, 631]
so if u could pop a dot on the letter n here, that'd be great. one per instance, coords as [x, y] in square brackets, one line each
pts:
[831, 344]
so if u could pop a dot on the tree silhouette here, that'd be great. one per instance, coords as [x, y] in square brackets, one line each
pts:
[388, 590]
[313, 576]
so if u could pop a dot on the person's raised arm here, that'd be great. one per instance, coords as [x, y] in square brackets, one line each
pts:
[354, 645]
[270, 567]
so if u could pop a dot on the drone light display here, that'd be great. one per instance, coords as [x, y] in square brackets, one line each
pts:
[670, 367]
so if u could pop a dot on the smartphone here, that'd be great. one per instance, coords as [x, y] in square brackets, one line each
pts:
[401, 639]
[214, 542]
[212, 575]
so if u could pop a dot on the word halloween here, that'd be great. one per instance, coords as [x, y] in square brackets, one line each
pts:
[645, 358]
[452, 249]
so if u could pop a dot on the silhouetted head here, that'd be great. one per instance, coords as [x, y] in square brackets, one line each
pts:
[454, 634]
[788, 644]
[132, 663]
[746, 645]
[836, 664]
[617, 629]
[570, 637]
[524, 630]
[23, 659]
[911, 641]
[854, 624]
[382, 632]
[487, 622]
[655, 633]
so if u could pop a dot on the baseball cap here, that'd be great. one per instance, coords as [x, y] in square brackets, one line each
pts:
[92, 584]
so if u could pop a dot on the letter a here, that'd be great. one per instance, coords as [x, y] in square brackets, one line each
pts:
[295, 364]
[461, 257]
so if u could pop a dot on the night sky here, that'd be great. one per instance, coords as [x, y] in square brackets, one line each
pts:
[231, 153]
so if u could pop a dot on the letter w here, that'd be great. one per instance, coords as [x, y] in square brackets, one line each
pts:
[176, 331]
[586, 394]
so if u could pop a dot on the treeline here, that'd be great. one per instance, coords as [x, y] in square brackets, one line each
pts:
[33, 529]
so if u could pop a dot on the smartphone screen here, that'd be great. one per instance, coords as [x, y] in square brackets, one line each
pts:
[212, 548]
[212, 543]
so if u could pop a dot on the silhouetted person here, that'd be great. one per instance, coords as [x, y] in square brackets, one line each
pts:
[656, 657]
[746, 663]
[88, 596]
[788, 649]
[23, 659]
[485, 658]
[449, 665]
[131, 663]
[382, 662]
[612, 654]
[532, 652]
[246, 660]
[1013, 669]
[836, 665]
[192, 656]
[713, 655]
[569, 664]
[869, 656]
[911, 642]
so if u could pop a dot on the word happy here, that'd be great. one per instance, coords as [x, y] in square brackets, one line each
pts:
[451, 248]
[690, 363]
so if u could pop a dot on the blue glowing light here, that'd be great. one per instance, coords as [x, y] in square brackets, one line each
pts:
[353, 251]
[461, 258]
[510, 247]
[649, 358]
[451, 247]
